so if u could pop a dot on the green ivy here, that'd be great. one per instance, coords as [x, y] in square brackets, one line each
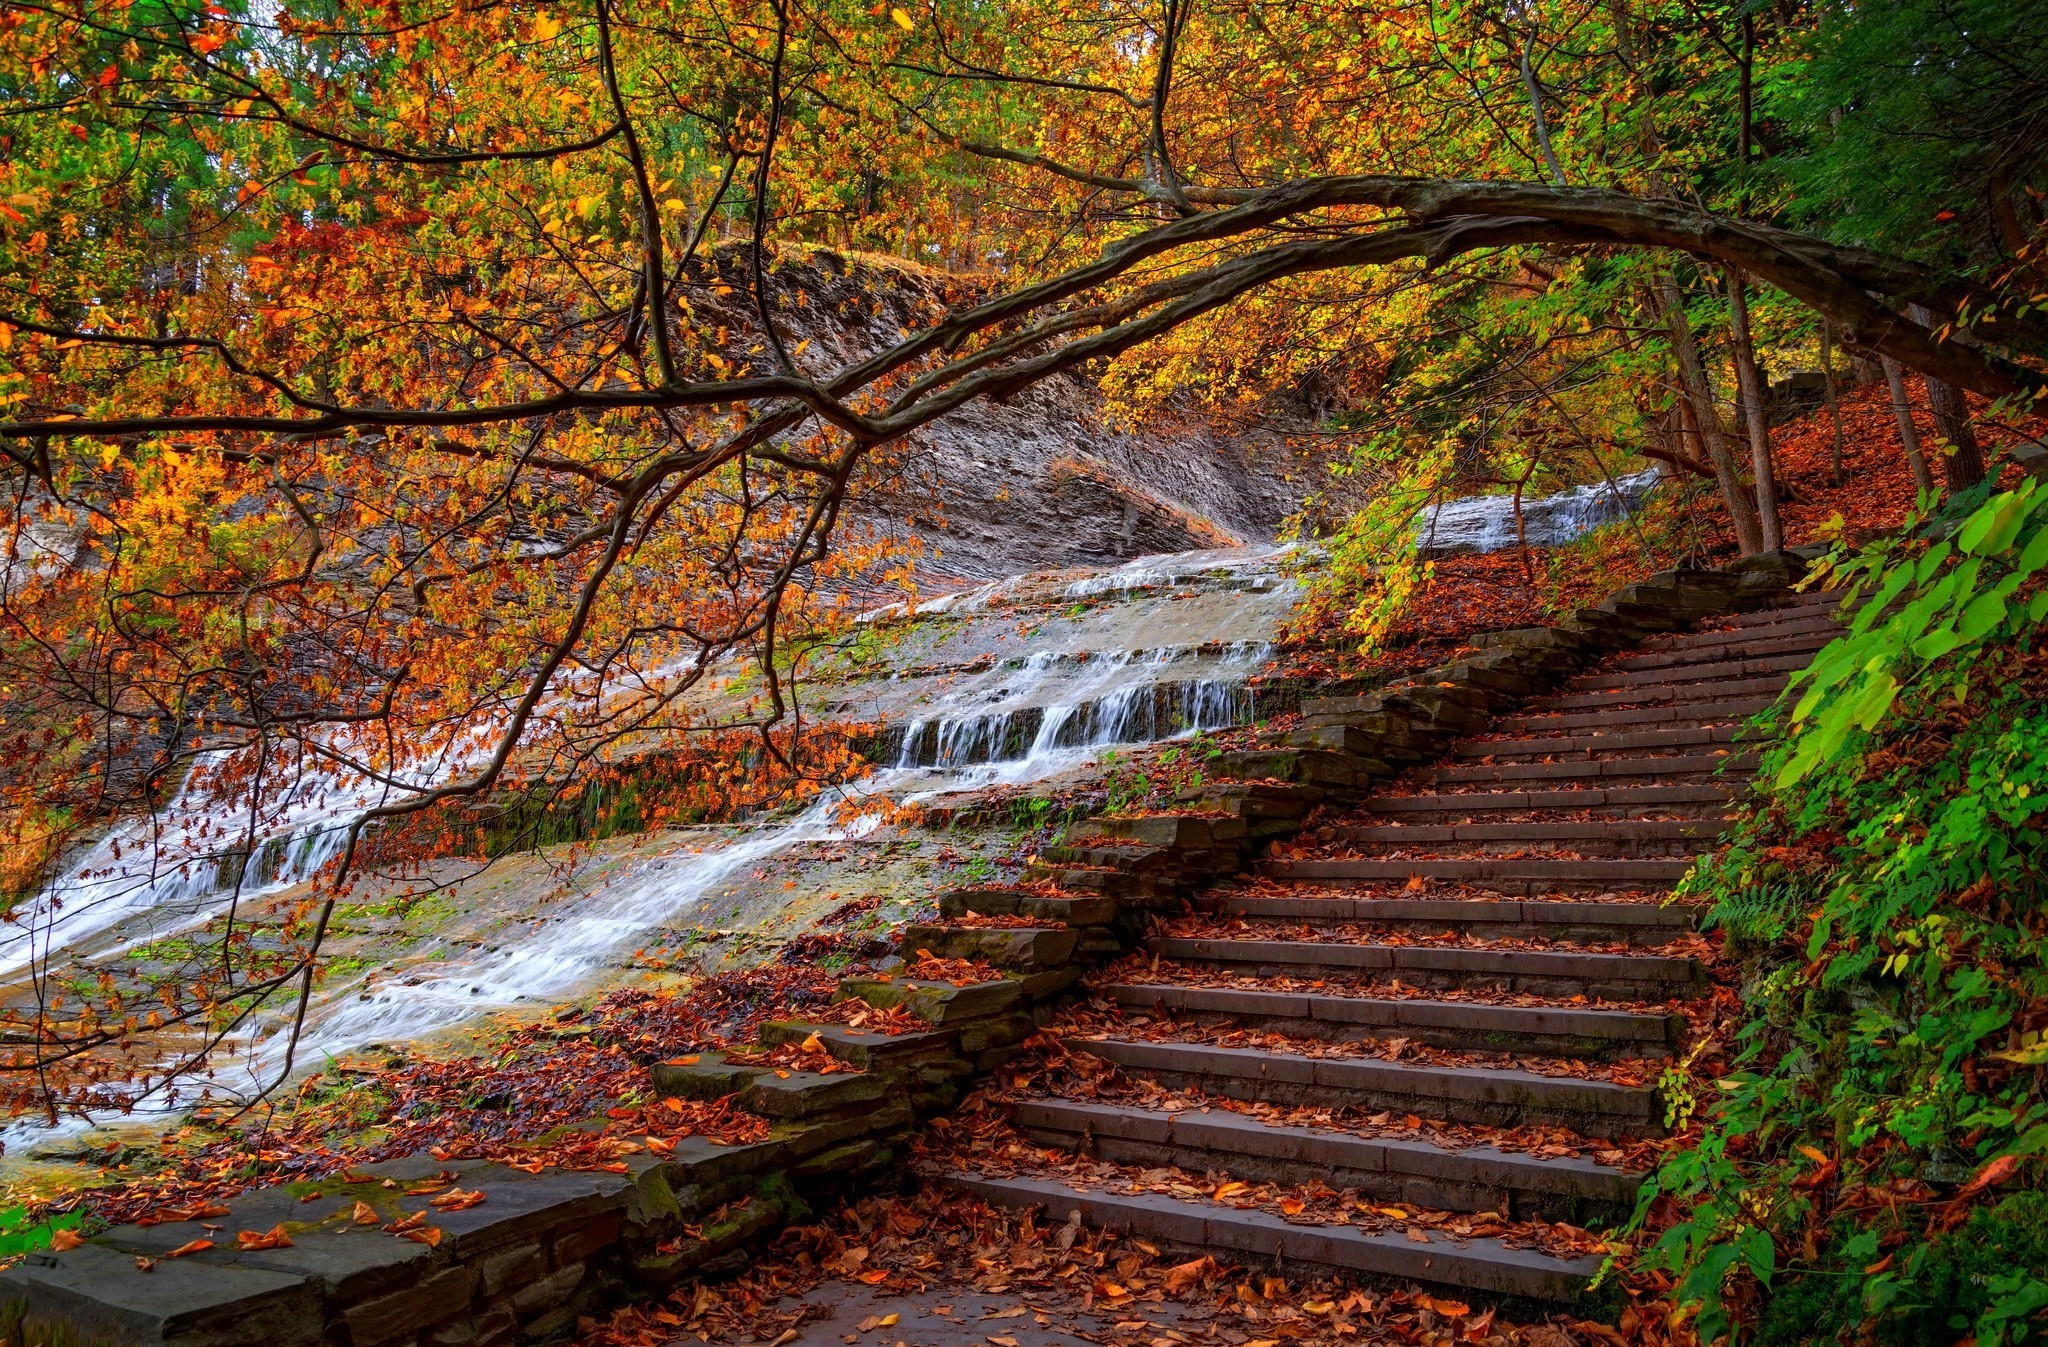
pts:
[1871, 1170]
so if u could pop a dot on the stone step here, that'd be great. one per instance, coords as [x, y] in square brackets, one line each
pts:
[1669, 767]
[1738, 638]
[1524, 918]
[1798, 645]
[1552, 1031]
[1072, 909]
[1623, 800]
[1386, 1169]
[1475, 1265]
[1544, 972]
[1665, 694]
[1506, 874]
[1537, 720]
[1596, 745]
[1681, 675]
[1593, 837]
[1819, 602]
[1493, 1096]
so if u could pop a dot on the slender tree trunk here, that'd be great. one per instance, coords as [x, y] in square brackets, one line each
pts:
[1700, 393]
[1963, 463]
[1827, 370]
[1909, 435]
[1750, 381]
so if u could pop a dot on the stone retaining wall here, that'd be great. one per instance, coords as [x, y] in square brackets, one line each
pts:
[543, 1249]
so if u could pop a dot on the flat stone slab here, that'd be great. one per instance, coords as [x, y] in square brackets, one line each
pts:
[1657, 969]
[1530, 1095]
[97, 1294]
[808, 1094]
[1477, 1264]
[701, 1075]
[1222, 1134]
[939, 1003]
[865, 1048]
[1402, 1012]
[1016, 947]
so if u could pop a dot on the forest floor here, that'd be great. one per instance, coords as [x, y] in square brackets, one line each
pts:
[948, 1271]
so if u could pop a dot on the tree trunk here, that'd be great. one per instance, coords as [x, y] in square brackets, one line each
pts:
[1700, 393]
[1963, 463]
[1750, 381]
[1909, 435]
[1827, 372]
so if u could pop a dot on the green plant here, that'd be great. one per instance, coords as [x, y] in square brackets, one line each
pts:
[1890, 882]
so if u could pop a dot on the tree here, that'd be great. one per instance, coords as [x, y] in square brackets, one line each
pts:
[425, 407]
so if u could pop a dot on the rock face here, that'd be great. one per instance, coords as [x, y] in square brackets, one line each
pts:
[1042, 480]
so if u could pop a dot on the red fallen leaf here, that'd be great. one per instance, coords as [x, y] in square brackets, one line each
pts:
[193, 1246]
[1993, 1174]
[64, 1241]
[274, 1238]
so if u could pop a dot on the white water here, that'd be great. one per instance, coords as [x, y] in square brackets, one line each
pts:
[1487, 523]
[1047, 715]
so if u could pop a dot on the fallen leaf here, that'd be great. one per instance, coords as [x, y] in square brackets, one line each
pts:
[193, 1246]
[1993, 1174]
[64, 1241]
[274, 1238]
[365, 1214]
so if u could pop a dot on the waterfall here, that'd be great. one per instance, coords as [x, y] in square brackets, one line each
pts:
[1072, 691]
[1487, 523]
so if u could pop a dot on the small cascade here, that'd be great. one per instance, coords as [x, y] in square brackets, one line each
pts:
[1487, 523]
[1077, 686]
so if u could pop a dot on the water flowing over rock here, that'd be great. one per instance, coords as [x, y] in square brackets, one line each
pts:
[1487, 523]
[1015, 681]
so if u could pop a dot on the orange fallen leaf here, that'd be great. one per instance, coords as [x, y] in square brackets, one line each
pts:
[661, 1146]
[1993, 1174]
[193, 1246]
[429, 1235]
[875, 1277]
[273, 1238]
[364, 1214]
[64, 1241]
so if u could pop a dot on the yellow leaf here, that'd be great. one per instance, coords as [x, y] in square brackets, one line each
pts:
[902, 20]
[546, 29]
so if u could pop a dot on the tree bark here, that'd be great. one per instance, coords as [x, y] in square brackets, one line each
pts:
[1827, 372]
[1909, 434]
[1750, 381]
[1700, 393]
[1963, 463]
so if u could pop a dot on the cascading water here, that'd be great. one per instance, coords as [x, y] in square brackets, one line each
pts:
[1076, 684]
[1487, 523]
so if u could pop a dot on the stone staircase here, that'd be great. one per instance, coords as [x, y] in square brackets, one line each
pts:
[1486, 941]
